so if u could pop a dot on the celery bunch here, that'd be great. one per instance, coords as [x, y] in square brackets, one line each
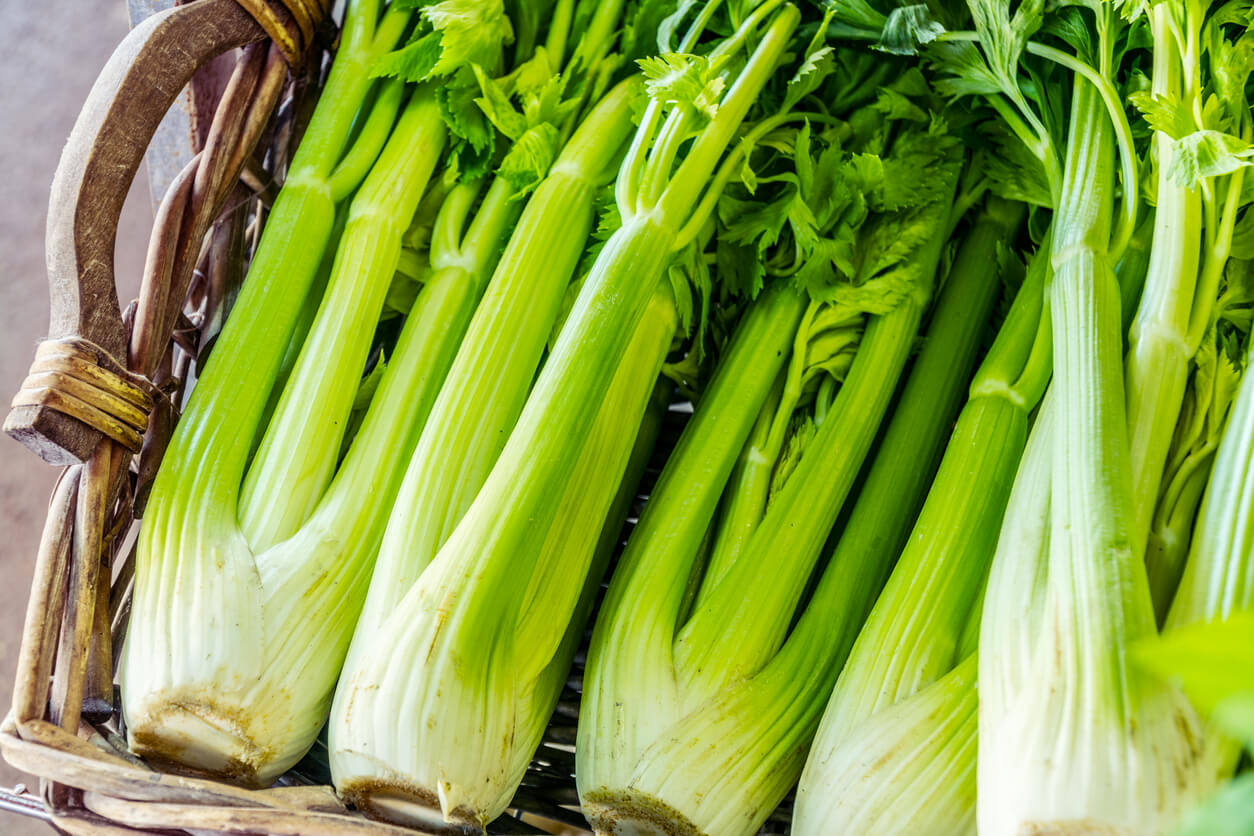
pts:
[700, 696]
[952, 542]
[482, 585]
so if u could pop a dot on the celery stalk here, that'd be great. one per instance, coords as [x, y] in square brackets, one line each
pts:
[907, 768]
[913, 634]
[743, 621]
[438, 773]
[463, 623]
[658, 753]
[1161, 345]
[1219, 575]
[1069, 735]
[297, 457]
[498, 360]
[1218, 578]
[249, 576]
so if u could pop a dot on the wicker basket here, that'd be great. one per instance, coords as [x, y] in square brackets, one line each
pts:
[102, 400]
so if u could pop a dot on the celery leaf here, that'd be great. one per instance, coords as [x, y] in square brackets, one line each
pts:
[683, 80]
[527, 162]
[412, 62]
[1207, 153]
[1172, 118]
[473, 32]
[909, 27]
[453, 35]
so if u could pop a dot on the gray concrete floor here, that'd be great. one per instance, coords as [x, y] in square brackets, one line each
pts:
[54, 49]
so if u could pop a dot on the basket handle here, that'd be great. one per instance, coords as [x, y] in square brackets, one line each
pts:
[79, 390]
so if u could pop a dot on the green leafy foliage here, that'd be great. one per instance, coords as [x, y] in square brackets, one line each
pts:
[907, 28]
[1004, 36]
[685, 80]
[839, 206]
[531, 123]
[1205, 154]
[454, 34]
[474, 141]
[413, 62]
[817, 65]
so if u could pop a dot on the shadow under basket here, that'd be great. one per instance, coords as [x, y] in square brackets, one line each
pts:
[102, 400]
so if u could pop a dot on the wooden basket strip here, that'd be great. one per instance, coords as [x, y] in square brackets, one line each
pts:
[238, 819]
[80, 535]
[253, 90]
[46, 605]
[85, 823]
[96, 481]
[43, 749]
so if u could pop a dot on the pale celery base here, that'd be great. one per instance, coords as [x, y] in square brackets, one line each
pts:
[202, 737]
[634, 813]
[409, 805]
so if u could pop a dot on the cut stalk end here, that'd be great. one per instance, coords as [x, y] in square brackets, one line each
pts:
[634, 813]
[395, 800]
[204, 738]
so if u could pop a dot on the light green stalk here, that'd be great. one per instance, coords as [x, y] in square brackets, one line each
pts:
[430, 769]
[1070, 737]
[638, 640]
[467, 693]
[497, 362]
[1161, 341]
[907, 768]
[742, 622]
[832, 334]
[913, 634]
[212, 647]
[661, 750]
[297, 457]
[1218, 577]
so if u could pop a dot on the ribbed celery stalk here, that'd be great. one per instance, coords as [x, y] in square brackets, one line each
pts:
[631, 650]
[1071, 737]
[297, 457]
[222, 701]
[1159, 350]
[1192, 239]
[663, 750]
[497, 362]
[913, 635]
[206, 653]
[489, 615]
[907, 768]
[743, 621]
[437, 772]
[1218, 577]
[827, 337]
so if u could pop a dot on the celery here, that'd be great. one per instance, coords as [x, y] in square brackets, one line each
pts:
[1219, 575]
[907, 768]
[497, 363]
[1194, 89]
[1070, 736]
[695, 723]
[913, 635]
[488, 616]
[1218, 580]
[250, 574]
